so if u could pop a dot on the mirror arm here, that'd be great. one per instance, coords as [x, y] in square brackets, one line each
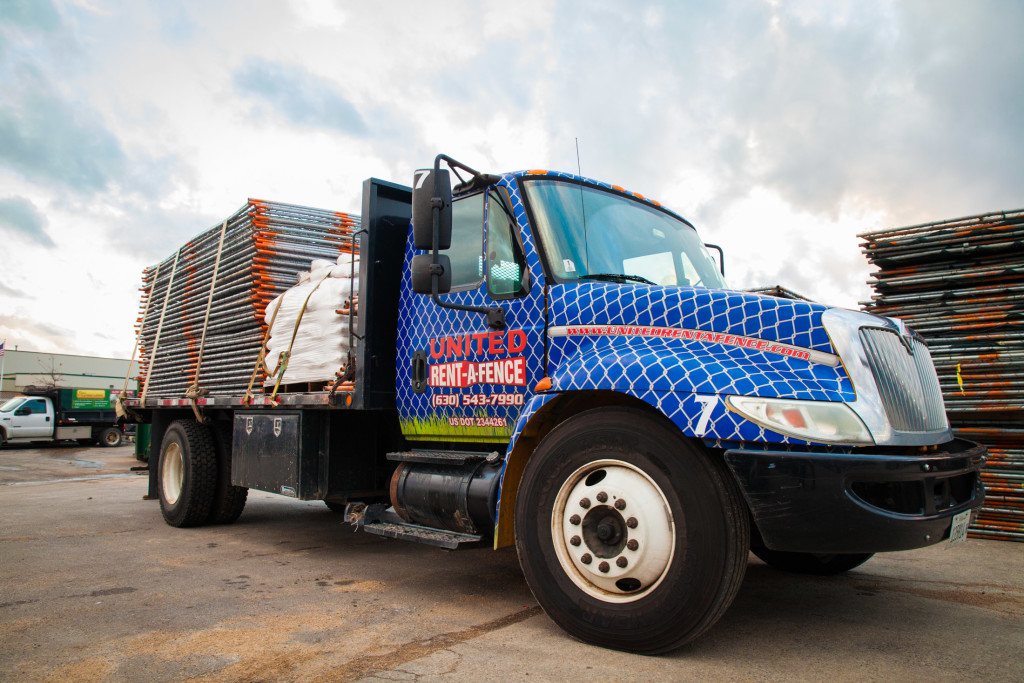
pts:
[721, 256]
[495, 314]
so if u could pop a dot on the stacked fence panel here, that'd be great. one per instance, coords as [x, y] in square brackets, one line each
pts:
[263, 248]
[960, 284]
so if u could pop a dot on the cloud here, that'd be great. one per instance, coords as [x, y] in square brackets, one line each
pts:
[36, 335]
[5, 290]
[49, 139]
[31, 14]
[301, 98]
[20, 217]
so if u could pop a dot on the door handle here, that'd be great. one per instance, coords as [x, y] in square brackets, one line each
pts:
[418, 378]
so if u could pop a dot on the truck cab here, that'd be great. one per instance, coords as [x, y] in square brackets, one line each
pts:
[648, 415]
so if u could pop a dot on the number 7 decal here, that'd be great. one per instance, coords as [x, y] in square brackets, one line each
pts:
[709, 403]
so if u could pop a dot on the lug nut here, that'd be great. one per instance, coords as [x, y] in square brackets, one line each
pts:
[632, 523]
[622, 562]
[603, 567]
[585, 503]
[586, 559]
[575, 540]
[620, 504]
[632, 544]
[602, 497]
[574, 520]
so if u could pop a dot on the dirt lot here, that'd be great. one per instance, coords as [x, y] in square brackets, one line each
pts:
[94, 586]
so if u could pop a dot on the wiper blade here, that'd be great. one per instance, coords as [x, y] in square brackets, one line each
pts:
[617, 277]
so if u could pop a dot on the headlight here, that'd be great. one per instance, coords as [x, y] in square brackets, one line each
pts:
[807, 420]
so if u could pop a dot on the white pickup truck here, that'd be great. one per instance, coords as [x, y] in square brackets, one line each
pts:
[83, 415]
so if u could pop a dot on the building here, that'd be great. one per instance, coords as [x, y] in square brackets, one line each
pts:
[31, 368]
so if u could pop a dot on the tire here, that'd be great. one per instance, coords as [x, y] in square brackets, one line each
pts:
[110, 437]
[686, 566]
[187, 474]
[228, 500]
[811, 563]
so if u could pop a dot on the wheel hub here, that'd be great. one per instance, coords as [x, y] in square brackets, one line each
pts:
[172, 473]
[604, 531]
[613, 531]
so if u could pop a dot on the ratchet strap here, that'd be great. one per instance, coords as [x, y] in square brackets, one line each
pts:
[160, 325]
[120, 409]
[194, 392]
[282, 361]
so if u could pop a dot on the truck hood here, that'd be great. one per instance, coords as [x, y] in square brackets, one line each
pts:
[725, 312]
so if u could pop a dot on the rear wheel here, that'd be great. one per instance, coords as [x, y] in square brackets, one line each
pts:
[228, 500]
[187, 474]
[822, 564]
[630, 536]
[110, 437]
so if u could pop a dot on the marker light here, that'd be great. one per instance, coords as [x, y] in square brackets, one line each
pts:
[808, 420]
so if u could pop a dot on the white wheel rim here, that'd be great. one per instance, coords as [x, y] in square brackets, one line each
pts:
[172, 473]
[614, 536]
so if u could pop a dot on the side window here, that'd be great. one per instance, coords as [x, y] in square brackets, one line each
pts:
[467, 247]
[506, 265]
[37, 406]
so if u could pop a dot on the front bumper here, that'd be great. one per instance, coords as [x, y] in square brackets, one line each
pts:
[820, 502]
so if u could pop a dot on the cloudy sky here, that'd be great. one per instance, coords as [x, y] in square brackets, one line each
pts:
[781, 129]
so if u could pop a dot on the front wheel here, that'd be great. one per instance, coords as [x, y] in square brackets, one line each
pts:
[821, 564]
[630, 536]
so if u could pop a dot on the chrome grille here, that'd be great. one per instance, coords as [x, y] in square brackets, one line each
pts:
[906, 380]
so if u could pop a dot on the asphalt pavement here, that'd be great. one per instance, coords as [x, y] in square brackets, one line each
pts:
[94, 586]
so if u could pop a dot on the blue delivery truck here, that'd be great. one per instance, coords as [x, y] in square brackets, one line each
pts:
[555, 363]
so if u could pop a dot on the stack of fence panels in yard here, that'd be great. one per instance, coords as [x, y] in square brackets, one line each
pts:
[960, 284]
[256, 255]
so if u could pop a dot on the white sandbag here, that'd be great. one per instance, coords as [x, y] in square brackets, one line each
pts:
[344, 258]
[318, 263]
[302, 277]
[346, 270]
[319, 274]
[320, 348]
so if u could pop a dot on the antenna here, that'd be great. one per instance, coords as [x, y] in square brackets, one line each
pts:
[578, 167]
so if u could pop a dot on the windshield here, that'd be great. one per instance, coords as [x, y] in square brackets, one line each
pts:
[11, 404]
[593, 234]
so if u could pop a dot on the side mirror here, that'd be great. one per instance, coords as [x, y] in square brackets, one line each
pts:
[423, 209]
[421, 264]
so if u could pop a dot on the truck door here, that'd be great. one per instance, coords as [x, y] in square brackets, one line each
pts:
[457, 379]
[32, 418]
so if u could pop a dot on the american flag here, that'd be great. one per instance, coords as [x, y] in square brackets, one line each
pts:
[2, 346]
